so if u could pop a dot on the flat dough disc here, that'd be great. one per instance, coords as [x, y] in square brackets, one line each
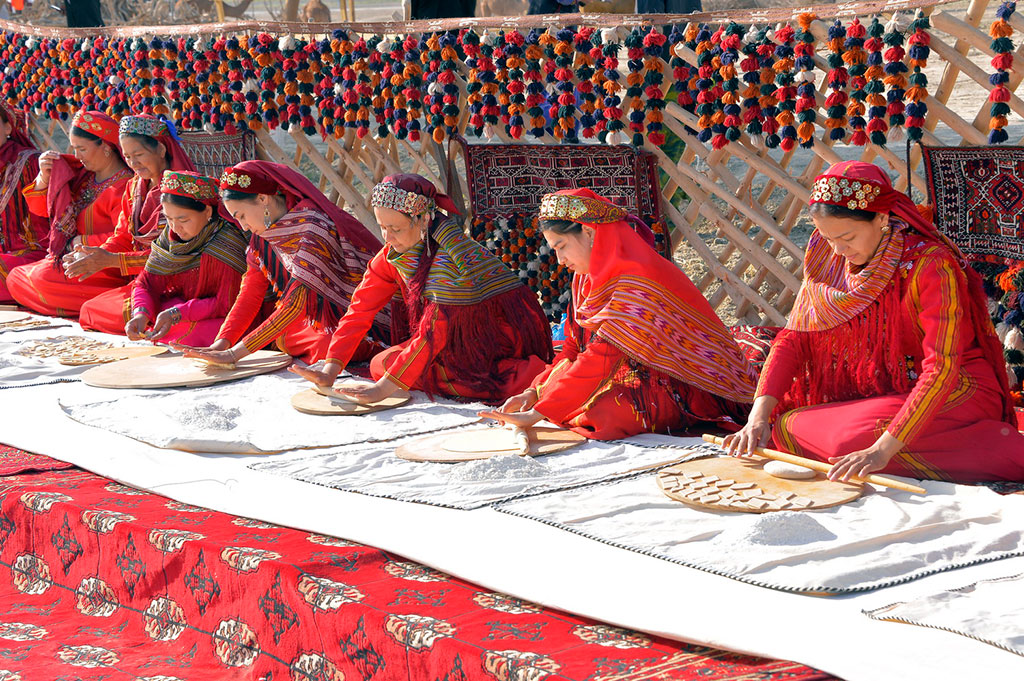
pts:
[543, 440]
[105, 355]
[487, 441]
[316, 403]
[171, 370]
[728, 483]
[788, 471]
[8, 316]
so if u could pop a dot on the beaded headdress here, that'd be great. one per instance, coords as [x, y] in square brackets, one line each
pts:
[388, 195]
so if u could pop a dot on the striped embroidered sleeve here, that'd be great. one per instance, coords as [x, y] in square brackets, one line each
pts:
[780, 369]
[247, 304]
[378, 287]
[288, 310]
[35, 198]
[132, 263]
[573, 383]
[935, 296]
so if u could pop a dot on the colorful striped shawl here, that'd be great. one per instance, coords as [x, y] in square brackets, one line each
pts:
[646, 306]
[219, 239]
[317, 258]
[463, 271]
[832, 294]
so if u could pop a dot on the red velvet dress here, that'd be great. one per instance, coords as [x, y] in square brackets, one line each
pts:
[950, 421]
[202, 294]
[415, 362]
[598, 391]
[140, 222]
[42, 287]
[23, 235]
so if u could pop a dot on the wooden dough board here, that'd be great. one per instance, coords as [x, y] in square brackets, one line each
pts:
[8, 316]
[105, 355]
[171, 370]
[543, 440]
[312, 402]
[749, 490]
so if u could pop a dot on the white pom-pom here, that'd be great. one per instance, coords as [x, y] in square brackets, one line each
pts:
[114, 80]
[1014, 340]
[613, 138]
[208, 127]
[609, 35]
[895, 134]
[339, 89]
[489, 131]
[893, 25]
[250, 86]
[86, 45]
[286, 43]
[436, 88]
[487, 38]
[1002, 328]
[757, 141]
[806, 76]
[1011, 378]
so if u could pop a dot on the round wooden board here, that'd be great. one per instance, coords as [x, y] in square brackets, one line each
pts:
[106, 355]
[171, 370]
[312, 402]
[543, 440]
[8, 316]
[727, 483]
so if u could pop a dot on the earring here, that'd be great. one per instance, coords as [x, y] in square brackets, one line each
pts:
[885, 228]
[266, 217]
[106, 151]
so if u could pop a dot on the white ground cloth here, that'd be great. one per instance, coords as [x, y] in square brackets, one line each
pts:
[252, 415]
[541, 563]
[373, 468]
[991, 611]
[19, 371]
[883, 538]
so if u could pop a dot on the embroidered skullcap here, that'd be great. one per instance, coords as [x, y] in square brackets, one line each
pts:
[577, 206]
[192, 185]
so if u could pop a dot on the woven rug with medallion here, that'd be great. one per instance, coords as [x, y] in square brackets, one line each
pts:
[977, 198]
[507, 181]
[100, 581]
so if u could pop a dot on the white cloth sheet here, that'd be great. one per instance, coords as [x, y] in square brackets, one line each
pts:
[883, 538]
[18, 371]
[373, 468]
[254, 415]
[991, 611]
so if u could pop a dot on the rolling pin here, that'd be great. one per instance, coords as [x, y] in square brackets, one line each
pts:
[823, 467]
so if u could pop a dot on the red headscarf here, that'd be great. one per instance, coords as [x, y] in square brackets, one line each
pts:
[328, 252]
[73, 190]
[644, 305]
[832, 298]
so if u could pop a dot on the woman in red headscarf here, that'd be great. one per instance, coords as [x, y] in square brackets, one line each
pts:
[473, 329]
[22, 234]
[889, 361]
[305, 251]
[81, 195]
[150, 146]
[194, 269]
[644, 351]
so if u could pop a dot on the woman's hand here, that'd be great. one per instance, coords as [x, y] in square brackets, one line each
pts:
[215, 354]
[524, 401]
[86, 261]
[323, 377]
[135, 329]
[46, 160]
[756, 433]
[523, 419]
[367, 393]
[163, 323]
[865, 461]
[751, 436]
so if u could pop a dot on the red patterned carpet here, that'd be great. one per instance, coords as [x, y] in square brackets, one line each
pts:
[102, 581]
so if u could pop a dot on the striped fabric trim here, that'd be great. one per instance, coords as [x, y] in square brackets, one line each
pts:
[463, 271]
[654, 327]
[933, 389]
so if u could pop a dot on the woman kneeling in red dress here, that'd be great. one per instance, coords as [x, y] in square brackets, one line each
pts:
[889, 361]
